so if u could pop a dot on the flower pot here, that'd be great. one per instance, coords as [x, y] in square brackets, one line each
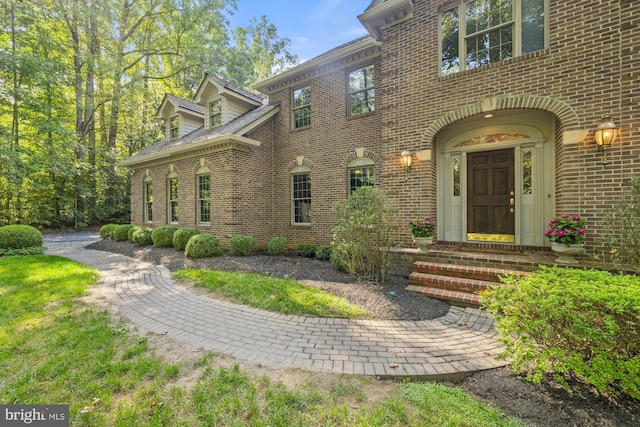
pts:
[566, 253]
[424, 243]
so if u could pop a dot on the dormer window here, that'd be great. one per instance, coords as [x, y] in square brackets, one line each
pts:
[215, 113]
[174, 127]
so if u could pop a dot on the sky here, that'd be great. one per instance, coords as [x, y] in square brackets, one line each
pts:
[313, 26]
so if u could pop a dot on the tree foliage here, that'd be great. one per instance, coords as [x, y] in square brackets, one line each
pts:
[79, 85]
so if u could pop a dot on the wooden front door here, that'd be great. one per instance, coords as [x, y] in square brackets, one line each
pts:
[491, 196]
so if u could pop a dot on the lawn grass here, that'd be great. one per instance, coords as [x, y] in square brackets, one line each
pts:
[55, 348]
[272, 294]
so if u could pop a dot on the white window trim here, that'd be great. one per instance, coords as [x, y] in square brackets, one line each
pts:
[145, 201]
[222, 112]
[462, 49]
[299, 170]
[171, 176]
[203, 171]
[170, 128]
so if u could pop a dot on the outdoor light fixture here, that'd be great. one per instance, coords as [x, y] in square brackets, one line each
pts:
[405, 160]
[606, 134]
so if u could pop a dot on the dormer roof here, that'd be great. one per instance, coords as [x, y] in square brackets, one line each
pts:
[211, 83]
[178, 105]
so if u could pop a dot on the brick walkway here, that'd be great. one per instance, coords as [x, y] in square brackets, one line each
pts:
[449, 347]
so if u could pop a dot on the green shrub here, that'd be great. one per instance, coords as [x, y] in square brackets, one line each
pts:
[572, 323]
[622, 227]
[324, 252]
[121, 232]
[163, 236]
[306, 250]
[106, 231]
[362, 236]
[241, 245]
[20, 240]
[130, 234]
[19, 237]
[181, 237]
[142, 236]
[278, 246]
[202, 246]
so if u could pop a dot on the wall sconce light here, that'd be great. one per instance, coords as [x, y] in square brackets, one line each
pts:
[606, 134]
[405, 160]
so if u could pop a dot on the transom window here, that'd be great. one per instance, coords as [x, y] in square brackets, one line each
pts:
[174, 127]
[204, 199]
[148, 201]
[215, 113]
[301, 197]
[362, 92]
[302, 107]
[480, 32]
[173, 200]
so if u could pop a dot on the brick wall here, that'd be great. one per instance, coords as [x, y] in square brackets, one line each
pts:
[590, 69]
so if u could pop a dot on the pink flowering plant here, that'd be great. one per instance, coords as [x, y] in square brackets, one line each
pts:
[422, 227]
[566, 229]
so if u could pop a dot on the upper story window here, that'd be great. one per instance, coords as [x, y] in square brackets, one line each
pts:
[480, 32]
[174, 127]
[215, 113]
[302, 107]
[362, 92]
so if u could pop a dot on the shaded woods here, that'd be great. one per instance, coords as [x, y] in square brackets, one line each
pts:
[80, 82]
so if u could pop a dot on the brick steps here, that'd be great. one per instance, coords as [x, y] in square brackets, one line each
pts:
[456, 284]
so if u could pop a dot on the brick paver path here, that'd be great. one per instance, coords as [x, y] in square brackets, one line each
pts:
[449, 347]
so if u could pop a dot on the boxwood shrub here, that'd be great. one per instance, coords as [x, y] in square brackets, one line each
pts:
[181, 237]
[121, 232]
[278, 246]
[142, 236]
[106, 231]
[20, 240]
[163, 236]
[130, 233]
[306, 250]
[324, 252]
[572, 324]
[202, 246]
[241, 245]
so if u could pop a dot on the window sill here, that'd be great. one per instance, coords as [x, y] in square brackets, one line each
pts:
[361, 115]
[482, 68]
[301, 225]
[301, 129]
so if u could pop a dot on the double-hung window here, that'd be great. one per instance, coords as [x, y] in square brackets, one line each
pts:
[174, 127]
[215, 113]
[204, 199]
[173, 200]
[361, 173]
[479, 32]
[362, 92]
[302, 107]
[301, 197]
[148, 200]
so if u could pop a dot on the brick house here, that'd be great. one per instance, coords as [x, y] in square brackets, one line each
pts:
[496, 101]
